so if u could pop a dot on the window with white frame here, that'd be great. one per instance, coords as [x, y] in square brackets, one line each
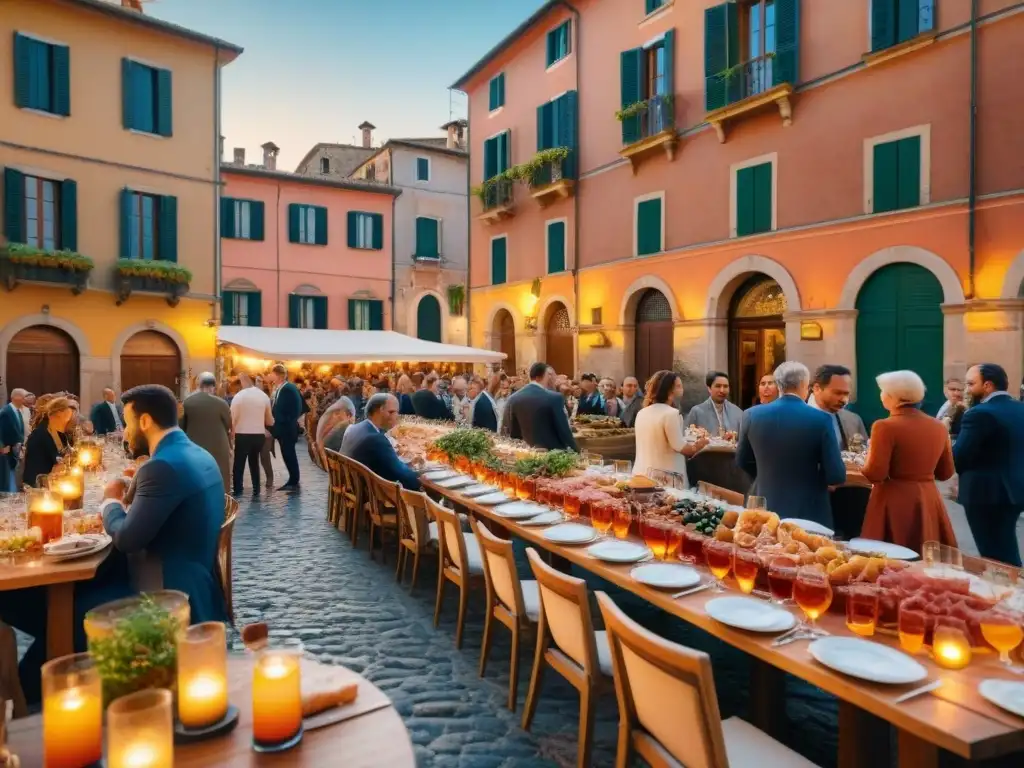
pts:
[307, 226]
[307, 313]
[361, 315]
[243, 213]
[364, 230]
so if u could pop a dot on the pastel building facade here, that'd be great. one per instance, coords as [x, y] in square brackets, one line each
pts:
[750, 182]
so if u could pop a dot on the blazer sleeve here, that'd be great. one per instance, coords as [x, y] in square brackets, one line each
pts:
[831, 457]
[745, 458]
[510, 424]
[876, 467]
[562, 428]
[483, 415]
[157, 495]
[969, 450]
[399, 469]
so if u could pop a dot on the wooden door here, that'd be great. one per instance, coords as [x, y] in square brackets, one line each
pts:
[654, 345]
[428, 319]
[150, 357]
[899, 327]
[559, 341]
[507, 344]
[42, 359]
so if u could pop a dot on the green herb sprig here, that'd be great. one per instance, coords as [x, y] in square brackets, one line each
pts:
[550, 464]
[473, 444]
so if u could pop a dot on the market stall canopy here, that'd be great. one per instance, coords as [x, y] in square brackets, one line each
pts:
[322, 346]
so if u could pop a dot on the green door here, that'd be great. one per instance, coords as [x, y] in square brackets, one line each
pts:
[899, 327]
[428, 319]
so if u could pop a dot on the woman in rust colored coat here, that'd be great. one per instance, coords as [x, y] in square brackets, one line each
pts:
[909, 451]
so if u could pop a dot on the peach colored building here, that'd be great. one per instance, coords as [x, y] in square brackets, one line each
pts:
[304, 252]
[749, 182]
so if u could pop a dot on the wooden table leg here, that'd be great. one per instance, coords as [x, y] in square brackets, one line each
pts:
[768, 698]
[915, 752]
[863, 738]
[60, 609]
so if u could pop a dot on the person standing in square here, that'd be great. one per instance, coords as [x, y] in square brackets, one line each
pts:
[287, 407]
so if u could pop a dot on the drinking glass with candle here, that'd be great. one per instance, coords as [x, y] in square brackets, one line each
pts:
[508, 484]
[655, 532]
[72, 712]
[202, 675]
[602, 516]
[556, 498]
[1002, 629]
[781, 577]
[862, 609]
[526, 487]
[675, 541]
[140, 730]
[745, 566]
[595, 460]
[719, 557]
[45, 512]
[69, 486]
[571, 504]
[623, 467]
[621, 520]
[951, 645]
[913, 624]
[543, 493]
[813, 593]
[277, 699]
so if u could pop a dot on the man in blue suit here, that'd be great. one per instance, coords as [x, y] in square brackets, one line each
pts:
[287, 402]
[13, 431]
[989, 456]
[107, 416]
[367, 442]
[790, 449]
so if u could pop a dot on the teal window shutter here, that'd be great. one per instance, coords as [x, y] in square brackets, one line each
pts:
[378, 231]
[256, 219]
[227, 217]
[69, 215]
[14, 205]
[490, 158]
[126, 222]
[501, 90]
[127, 93]
[321, 225]
[227, 308]
[721, 51]
[426, 238]
[745, 202]
[492, 94]
[763, 197]
[556, 247]
[631, 88]
[565, 124]
[885, 187]
[883, 24]
[650, 6]
[552, 48]
[648, 227]
[908, 185]
[668, 44]
[504, 151]
[926, 16]
[320, 313]
[786, 66]
[352, 226]
[294, 214]
[168, 228]
[255, 309]
[293, 310]
[164, 103]
[61, 79]
[376, 314]
[546, 126]
[22, 71]
[907, 14]
[352, 303]
[422, 169]
[499, 260]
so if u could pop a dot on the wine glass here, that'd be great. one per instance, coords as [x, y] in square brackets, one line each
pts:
[781, 577]
[1001, 628]
[719, 557]
[757, 503]
[745, 566]
[813, 593]
[623, 467]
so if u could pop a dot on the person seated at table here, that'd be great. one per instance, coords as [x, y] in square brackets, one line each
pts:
[660, 442]
[333, 424]
[405, 389]
[48, 439]
[428, 402]
[367, 442]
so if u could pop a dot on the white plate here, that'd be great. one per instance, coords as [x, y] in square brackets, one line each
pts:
[570, 533]
[440, 474]
[750, 614]
[518, 510]
[490, 499]
[459, 481]
[73, 547]
[545, 518]
[479, 489]
[863, 659]
[884, 548]
[666, 575]
[810, 526]
[1007, 694]
[612, 551]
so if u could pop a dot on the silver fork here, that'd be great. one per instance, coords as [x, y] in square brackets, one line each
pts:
[691, 591]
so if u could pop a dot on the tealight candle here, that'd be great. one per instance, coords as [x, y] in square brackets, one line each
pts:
[45, 512]
[951, 647]
[276, 700]
[140, 730]
[202, 675]
[69, 487]
[72, 712]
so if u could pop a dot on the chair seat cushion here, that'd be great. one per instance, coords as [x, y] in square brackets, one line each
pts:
[474, 556]
[746, 745]
[531, 599]
[604, 654]
[432, 531]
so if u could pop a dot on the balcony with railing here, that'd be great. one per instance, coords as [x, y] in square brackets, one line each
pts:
[552, 179]
[649, 126]
[497, 199]
[749, 87]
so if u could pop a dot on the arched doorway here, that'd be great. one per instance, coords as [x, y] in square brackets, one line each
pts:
[653, 335]
[505, 331]
[899, 327]
[43, 359]
[558, 340]
[150, 357]
[428, 319]
[757, 335]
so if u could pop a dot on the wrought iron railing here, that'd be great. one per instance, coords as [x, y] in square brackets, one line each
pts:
[497, 194]
[751, 77]
[659, 115]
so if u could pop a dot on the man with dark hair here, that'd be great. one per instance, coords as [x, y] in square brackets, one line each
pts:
[989, 456]
[367, 442]
[106, 415]
[485, 408]
[427, 402]
[537, 415]
[716, 414]
[287, 407]
[590, 403]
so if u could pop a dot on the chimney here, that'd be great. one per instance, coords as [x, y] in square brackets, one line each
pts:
[132, 5]
[367, 129]
[270, 150]
[456, 134]
[239, 156]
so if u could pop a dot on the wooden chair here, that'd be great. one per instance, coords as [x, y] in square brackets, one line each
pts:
[514, 603]
[460, 562]
[354, 496]
[567, 642]
[729, 497]
[382, 509]
[230, 506]
[668, 708]
[224, 562]
[10, 683]
[336, 488]
[417, 535]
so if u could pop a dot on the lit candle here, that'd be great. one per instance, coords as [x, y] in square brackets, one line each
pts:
[72, 712]
[46, 512]
[140, 730]
[85, 457]
[276, 698]
[202, 675]
[951, 647]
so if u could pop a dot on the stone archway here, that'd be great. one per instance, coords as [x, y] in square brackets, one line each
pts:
[118, 347]
[412, 318]
[429, 325]
[27, 321]
[559, 339]
[43, 359]
[151, 357]
[1013, 283]
[952, 288]
[503, 329]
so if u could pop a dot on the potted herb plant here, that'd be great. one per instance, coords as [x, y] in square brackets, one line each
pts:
[151, 276]
[20, 262]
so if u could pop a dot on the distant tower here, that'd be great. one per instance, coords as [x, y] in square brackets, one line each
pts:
[367, 128]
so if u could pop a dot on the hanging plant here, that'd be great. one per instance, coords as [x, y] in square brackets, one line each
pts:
[632, 110]
[456, 299]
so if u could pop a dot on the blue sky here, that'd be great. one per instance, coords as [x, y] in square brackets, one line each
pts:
[315, 69]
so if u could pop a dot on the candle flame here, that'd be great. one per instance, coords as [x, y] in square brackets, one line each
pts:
[139, 756]
[951, 652]
[72, 700]
[275, 667]
[204, 687]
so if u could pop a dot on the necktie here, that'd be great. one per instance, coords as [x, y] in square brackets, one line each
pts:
[843, 443]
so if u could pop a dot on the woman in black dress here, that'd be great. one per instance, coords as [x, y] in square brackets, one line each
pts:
[48, 440]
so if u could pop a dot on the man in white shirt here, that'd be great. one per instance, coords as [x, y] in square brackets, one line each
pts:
[251, 415]
[461, 404]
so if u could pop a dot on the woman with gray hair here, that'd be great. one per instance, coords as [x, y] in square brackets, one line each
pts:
[908, 452]
[332, 425]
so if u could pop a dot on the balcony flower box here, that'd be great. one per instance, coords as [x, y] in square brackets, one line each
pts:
[163, 277]
[25, 263]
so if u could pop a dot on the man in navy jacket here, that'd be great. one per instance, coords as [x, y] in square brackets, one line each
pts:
[989, 456]
[287, 408]
[367, 442]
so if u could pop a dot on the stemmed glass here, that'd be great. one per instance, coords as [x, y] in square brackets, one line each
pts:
[757, 503]
[813, 593]
[782, 572]
[1001, 628]
[719, 557]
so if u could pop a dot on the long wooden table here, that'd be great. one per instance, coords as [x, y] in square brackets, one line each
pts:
[972, 728]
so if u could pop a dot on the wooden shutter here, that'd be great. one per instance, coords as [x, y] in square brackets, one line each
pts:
[552, 43]
[499, 260]
[227, 217]
[745, 202]
[69, 215]
[556, 247]
[669, 44]
[883, 24]
[426, 237]
[255, 309]
[885, 188]
[492, 94]
[908, 172]
[352, 303]
[22, 71]
[127, 93]
[648, 226]
[504, 152]
[491, 158]
[164, 103]
[352, 225]
[377, 222]
[566, 109]
[501, 90]
[762, 197]
[721, 51]
[786, 66]
[227, 308]
[320, 312]
[293, 310]
[14, 205]
[168, 229]
[320, 219]
[422, 169]
[294, 213]
[631, 88]
[376, 314]
[543, 121]
[256, 219]
[907, 15]
[126, 222]
[650, 6]
[428, 319]
[60, 80]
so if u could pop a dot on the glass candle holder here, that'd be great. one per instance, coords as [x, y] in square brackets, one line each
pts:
[72, 712]
[89, 453]
[202, 675]
[276, 700]
[951, 647]
[140, 730]
[70, 486]
[46, 512]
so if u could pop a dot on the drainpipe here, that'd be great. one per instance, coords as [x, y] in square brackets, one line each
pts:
[576, 197]
[469, 229]
[394, 200]
[972, 154]
[216, 184]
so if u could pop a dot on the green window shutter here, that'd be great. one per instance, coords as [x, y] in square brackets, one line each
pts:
[352, 225]
[490, 158]
[428, 319]
[60, 80]
[227, 217]
[721, 51]
[883, 24]
[499, 260]
[255, 309]
[227, 308]
[565, 109]
[378, 231]
[504, 152]
[501, 90]
[321, 225]
[552, 44]
[376, 314]
[422, 169]
[320, 313]
[492, 94]
[631, 88]
[14, 205]
[556, 247]
[168, 234]
[22, 71]
[885, 188]
[648, 227]
[542, 126]
[786, 66]
[426, 238]
[256, 218]
[127, 93]
[352, 303]
[907, 19]
[69, 215]
[294, 214]
[164, 103]
[126, 221]
[908, 174]
[763, 197]
[745, 202]
[669, 44]
[650, 6]
[293, 310]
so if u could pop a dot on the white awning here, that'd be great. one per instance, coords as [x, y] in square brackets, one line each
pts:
[316, 346]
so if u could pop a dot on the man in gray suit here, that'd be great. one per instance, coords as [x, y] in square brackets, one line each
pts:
[207, 422]
[716, 414]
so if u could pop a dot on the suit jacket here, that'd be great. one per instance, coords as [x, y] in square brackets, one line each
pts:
[538, 417]
[484, 415]
[851, 423]
[12, 431]
[631, 410]
[102, 417]
[590, 405]
[176, 514]
[207, 422]
[371, 448]
[41, 454]
[429, 406]
[287, 409]
[405, 406]
[791, 450]
[989, 454]
[704, 415]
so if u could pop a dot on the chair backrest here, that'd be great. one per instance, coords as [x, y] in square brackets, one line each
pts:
[384, 493]
[414, 521]
[500, 569]
[334, 468]
[729, 497]
[565, 611]
[451, 544]
[224, 562]
[665, 689]
[353, 478]
[230, 506]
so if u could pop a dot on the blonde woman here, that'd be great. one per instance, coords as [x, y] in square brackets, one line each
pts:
[48, 439]
[660, 442]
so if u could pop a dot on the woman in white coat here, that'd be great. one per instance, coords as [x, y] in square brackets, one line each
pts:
[660, 441]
